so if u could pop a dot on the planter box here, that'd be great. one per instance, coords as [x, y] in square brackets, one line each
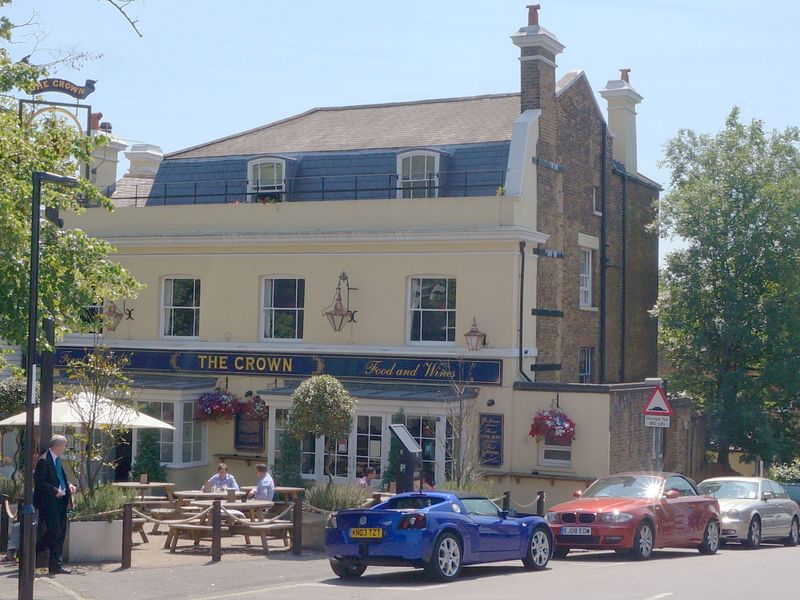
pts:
[93, 541]
[314, 531]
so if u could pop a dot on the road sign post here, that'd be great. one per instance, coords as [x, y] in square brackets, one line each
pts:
[657, 415]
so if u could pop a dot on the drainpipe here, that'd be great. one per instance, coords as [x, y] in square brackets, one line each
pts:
[522, 245]
[623, 305]
[603, 257]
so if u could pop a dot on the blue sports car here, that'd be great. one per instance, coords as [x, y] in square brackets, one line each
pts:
[437, 531]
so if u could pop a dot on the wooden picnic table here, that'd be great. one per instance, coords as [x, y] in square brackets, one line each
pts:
[291, 492]
[144, 487]
[199, 495]
[254, 508]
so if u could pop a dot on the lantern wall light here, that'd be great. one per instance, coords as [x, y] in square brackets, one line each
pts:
[475, 338]
[338, 313]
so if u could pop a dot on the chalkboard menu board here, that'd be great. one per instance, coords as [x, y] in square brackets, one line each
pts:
[490, 439]
[249, 433]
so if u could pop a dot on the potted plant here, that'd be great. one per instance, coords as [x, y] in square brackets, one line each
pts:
[330, 498]
[94, 532]
[219, 405]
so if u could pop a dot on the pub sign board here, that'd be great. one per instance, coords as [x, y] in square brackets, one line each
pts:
[490, 439]
[343, 366]
[62, 86]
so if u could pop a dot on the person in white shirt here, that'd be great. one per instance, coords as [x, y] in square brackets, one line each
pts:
[222, 480]
[265, 486]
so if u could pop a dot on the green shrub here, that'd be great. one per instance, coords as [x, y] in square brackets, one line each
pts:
[107, 499]
[336, 497]
[479, 487]
[787, 472]
[148, 458]
[287, 465]
[390, 472]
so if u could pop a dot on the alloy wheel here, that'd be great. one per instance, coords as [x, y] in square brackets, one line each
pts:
[755, 533]
[712, 536]
[645, 540]
[449, 557]
[540, 548]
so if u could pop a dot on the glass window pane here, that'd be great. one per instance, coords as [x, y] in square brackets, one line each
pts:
[285, 293]
[285, 322]
[434, 325]
[418, 165]
[451, 293]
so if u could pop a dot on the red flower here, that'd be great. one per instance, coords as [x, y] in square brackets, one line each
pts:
[553, 423]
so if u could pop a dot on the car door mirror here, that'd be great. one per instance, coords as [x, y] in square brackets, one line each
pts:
[503, 514]
[672, 494]
[767, 496]
[577, 493]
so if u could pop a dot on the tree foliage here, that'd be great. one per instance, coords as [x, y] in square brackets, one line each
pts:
[287, 463]
[729, 308]
[12, 396]
[148, 458]
[787, 472]
[75, 269]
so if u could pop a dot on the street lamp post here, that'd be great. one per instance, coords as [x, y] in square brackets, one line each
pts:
[28, 516]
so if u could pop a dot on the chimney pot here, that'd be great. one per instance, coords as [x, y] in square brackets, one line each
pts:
[625, 75]
[533, 14]
[106, 127]
[94, 121]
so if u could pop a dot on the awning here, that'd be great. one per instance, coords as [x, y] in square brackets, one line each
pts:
[162, 382]
[394, 392]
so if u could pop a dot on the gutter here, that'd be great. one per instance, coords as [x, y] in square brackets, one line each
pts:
[603, 250]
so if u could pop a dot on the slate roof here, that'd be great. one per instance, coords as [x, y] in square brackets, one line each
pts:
[467, 120]
[132, 191]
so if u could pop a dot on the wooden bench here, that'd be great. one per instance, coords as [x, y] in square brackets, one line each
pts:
[195, 531]
[276, 529]
[138, 527]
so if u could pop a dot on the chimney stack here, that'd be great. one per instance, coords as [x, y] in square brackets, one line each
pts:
[105, 158]
[622, 100]
[538, 51]
[145, 160]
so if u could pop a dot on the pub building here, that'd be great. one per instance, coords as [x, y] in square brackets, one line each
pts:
[494, 244]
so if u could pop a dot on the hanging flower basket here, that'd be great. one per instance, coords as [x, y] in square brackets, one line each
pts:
[554, 424]
[217, 405]
[257, 407]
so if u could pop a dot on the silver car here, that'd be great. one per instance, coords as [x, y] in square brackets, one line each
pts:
[753, 510]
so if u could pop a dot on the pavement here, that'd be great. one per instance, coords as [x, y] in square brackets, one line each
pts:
[734, 573]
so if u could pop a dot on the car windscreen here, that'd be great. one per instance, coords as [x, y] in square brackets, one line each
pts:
[730, 490]
[794, 491]
[625, 486]
[412, 502]
[480, 506]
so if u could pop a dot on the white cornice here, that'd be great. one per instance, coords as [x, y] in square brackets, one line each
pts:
[303, 348]
[534, 36]
[493, 234]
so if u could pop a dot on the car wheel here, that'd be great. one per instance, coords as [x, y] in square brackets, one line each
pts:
[710, 543]
[445, 563]
[560, 552]
[348, 570]
[794, 534]
[643, 541]
[539, 550]
[754, 534]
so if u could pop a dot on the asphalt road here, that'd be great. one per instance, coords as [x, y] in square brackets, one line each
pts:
[733, 574]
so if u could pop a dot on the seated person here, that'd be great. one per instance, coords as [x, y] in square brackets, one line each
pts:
[222, 480]
[265, 485]
[369, 475]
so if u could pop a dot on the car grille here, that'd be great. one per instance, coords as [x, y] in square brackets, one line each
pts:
[575, 540]
[579, 517]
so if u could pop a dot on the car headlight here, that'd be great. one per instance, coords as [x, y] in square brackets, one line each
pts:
[732, 513]
[331, 524]
[615, 517]
[552, 517]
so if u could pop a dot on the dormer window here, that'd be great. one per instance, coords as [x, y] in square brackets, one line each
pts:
[418, 175]
[266, 180]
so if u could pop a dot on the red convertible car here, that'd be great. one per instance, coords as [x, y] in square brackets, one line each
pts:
[634, 513]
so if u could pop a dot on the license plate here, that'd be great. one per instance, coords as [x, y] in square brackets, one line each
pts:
[576, 531]
[366, 532]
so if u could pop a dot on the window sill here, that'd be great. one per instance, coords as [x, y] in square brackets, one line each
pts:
[431, 344]
[589, 308]
[597, 213]
[191, 465]
[180, 337]
[281, 340]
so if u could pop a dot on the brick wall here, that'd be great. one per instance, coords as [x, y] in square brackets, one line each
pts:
[632, 442]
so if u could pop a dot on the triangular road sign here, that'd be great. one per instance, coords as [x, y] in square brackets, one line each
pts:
[657, 404]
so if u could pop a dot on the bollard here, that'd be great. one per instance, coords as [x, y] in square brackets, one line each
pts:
[507, 500]
[3, 523]
[127, 535]
[216, 531]
[540, 498]
[297, 525]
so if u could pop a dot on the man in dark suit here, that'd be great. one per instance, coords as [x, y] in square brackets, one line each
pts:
[52, 495]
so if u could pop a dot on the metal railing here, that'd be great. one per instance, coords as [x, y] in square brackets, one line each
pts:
[325, 187]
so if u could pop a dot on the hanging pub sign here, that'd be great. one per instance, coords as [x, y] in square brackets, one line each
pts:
[490, 439]
[62, 86]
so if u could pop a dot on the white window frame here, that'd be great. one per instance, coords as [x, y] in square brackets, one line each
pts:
[585, 358]
[410, 311]
[434, 179]
[275, 186]
[585, 277]
[263, 310]
[177, 434]
[164, 308]
[597, 209]
[544, 447]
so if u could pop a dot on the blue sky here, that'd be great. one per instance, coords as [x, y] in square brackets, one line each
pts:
[205, 68]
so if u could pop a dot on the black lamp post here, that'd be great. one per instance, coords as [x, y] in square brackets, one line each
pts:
[28, 516]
